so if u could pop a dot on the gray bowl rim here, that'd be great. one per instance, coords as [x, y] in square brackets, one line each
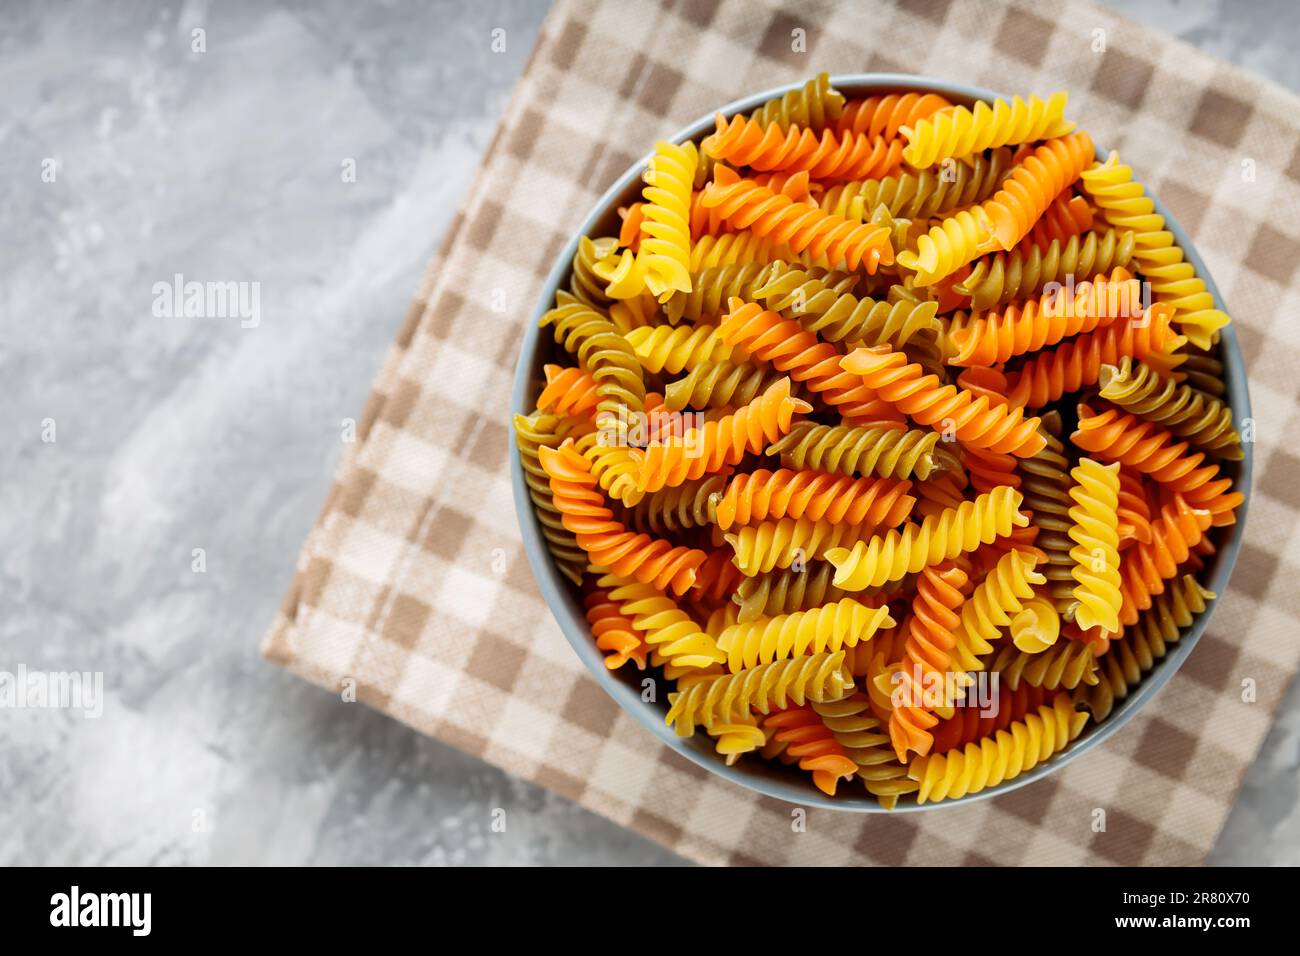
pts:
[760, 776]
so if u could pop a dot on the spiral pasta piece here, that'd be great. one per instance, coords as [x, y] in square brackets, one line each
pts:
[668, 630]
[769, 545]
[1147, 567]
[719, 385]
[721, 442]
[800, 228]
[719, 618]
[1000, 278]
[586, 285]
[948, 246]
[733, 248]
[533, 432]
[841, 317]
[1150, 450]
[568, 391]
[1036, 627]
[1095, 533]
[939, 538]
[993, 605]
[1133, 509]
[812, 743]
[831, 627]
[624, 273]
[712, 288]
[763, 494]
[1077, 363]
[615, 467]
[845, 450]
[768, 337]
[995, 338]
[999, 428]
[1146, 642]
[959, 131]
[902, 232]
[784, 592]
[816, 105]
[798, 186]
[671, 510]
[605, 539]
[920, 194]
[1065, 665]
[1187, 413]
[1068, 215]
[1032, 186]
[814, 677]
[886, 114]
[734, 740]
[1001, 757]
[745, 142]
[928, 350]
[614, 632]
[860, 733]
[664, 256]
[927, 656]
[1124, 204]
[602, 351]
[665, 348]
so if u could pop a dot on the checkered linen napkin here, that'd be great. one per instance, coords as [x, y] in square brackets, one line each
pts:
[414, 582]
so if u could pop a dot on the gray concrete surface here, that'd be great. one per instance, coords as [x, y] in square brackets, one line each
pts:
[176, 434]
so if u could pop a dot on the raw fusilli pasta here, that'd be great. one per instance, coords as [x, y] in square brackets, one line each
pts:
[826, 628]
[1003, 277]
[844, 450]
[1002, 756]
[1201, 419]
[862, 402]
[1095, 533]
[958, 131]
[767, 687]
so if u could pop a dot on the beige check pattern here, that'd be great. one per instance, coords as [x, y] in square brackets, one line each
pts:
[414, 582]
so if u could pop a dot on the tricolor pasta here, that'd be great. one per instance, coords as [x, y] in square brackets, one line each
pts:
[888, 435]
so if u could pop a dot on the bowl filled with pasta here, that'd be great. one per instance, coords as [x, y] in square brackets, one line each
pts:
[881, 442]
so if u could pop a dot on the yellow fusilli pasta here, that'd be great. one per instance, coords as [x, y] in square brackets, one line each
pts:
[1004, 756]
[814, 677]
[665, 254]
[1095, 533]
[958, 132]
[827, 628]
[939, 538]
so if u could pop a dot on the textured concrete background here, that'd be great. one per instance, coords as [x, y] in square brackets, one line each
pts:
[177, 434]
